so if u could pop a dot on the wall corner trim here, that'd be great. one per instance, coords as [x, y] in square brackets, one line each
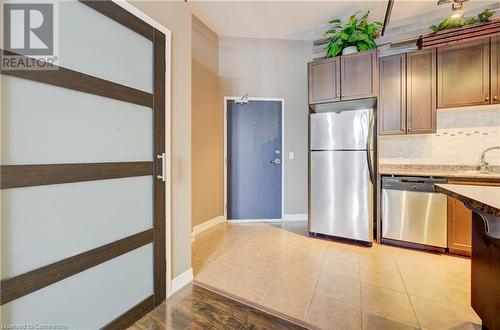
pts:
[182, 280]
[207, 224]
[295, 217]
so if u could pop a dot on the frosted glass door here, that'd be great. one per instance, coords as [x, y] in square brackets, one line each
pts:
[82, 217]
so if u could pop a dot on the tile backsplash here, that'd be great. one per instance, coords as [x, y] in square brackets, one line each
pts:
[462, 134]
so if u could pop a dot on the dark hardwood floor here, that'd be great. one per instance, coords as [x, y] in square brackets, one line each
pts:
[194, 307]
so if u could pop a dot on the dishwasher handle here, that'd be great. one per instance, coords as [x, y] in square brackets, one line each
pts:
[413, 181]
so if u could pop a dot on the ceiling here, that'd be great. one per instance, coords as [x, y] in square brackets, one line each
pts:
[305, 20]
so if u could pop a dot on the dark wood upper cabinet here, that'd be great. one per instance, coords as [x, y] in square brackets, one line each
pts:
[392, 101]
[463, 74]
[358, 76]
[324, 81]
[412, 86]
[407, 97]
[495, 70]
[421, 91]
[343, 78]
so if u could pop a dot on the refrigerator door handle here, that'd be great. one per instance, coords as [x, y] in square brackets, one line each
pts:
[368, 149]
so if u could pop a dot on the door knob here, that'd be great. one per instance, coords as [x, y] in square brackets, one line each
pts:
[277, 161]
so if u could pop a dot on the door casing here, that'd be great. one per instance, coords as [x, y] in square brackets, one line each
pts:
[168, 143]
[235, 98]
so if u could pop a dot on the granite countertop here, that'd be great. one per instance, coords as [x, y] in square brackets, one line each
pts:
[449, 171]
[484, 198]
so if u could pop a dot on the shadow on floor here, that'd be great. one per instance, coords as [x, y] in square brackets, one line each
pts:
[297, 227]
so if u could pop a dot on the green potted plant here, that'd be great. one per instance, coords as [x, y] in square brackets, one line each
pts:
[455, 21]
[355, 35]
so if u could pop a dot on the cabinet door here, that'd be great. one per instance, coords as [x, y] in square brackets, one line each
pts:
[358, 76]
[392, 100]
[421, 92]
[459, 228]
[324, 81]
[495, 70]
[463, 74]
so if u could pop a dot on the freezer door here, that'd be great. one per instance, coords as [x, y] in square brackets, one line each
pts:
[346, 130]
[340, 202]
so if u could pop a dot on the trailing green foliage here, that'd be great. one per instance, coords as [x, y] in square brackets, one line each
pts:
[450, 22]
[485, 15]
[356, 32]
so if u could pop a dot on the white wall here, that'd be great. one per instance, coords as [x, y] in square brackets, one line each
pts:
[274, 68]
[462, 134]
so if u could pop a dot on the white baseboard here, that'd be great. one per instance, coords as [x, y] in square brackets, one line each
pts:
[295, 217]
[253, 220]
[206, 225]
[182, 280]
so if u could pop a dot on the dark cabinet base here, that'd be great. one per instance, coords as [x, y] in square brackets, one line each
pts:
[485, 272]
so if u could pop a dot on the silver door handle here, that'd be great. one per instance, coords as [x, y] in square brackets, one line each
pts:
[163, 176]
[277, 161]
[368, 150]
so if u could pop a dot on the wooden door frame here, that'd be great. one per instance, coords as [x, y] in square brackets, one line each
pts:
[42, 174]
[168, 129]
[235, 98]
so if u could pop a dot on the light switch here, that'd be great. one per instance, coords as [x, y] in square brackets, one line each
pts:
[290, 155]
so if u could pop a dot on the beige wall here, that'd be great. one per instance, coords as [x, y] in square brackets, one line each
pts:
[176, 16]
[462, 134]
[207, 130]
[277, 69]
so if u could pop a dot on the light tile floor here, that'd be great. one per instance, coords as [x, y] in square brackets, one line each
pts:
[334, 285]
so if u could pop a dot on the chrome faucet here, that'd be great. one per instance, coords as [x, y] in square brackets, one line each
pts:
[483, 165]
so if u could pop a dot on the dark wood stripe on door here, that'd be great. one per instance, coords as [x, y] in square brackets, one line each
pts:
[18, 286]
[82, 82]
[15, 176]
[159, 186]
[120, 15]
[129, 317]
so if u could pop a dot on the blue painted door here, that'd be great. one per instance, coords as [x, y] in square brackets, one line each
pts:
[254, 160]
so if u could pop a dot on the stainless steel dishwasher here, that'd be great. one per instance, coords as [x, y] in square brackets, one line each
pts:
[413, 213]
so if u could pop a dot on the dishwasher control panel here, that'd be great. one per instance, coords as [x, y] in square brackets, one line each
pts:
[424, 184]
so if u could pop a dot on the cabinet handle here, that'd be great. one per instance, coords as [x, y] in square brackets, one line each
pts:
[495, 98]
[487, 98]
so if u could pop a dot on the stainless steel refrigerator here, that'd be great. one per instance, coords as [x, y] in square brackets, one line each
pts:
[341, 174]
